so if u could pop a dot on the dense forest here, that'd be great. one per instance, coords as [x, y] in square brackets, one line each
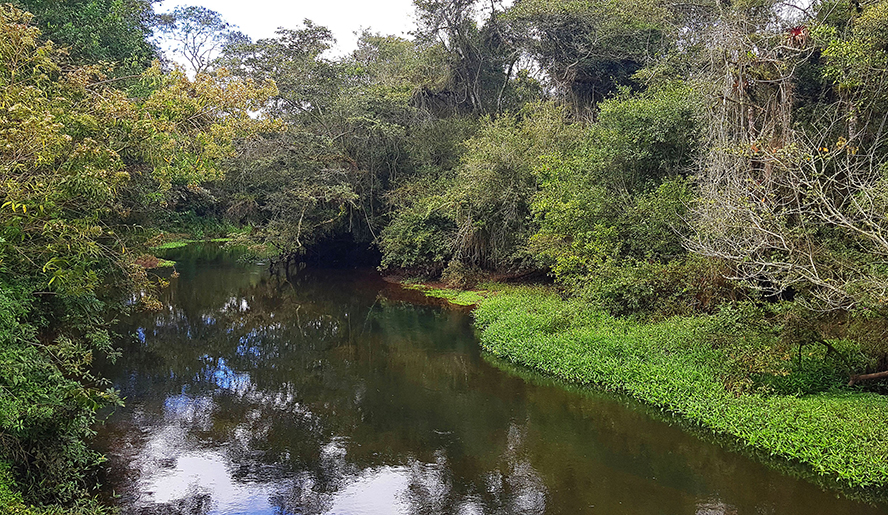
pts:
[654, 161]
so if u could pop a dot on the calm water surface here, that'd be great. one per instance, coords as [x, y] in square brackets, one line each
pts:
[330, 393]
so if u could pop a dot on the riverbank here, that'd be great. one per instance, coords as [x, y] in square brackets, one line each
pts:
[701, 370]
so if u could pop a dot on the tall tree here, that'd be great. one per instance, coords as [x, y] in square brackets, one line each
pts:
[795, 197]
[77, 159]
[480, 60]
[589, 48]
[194, 33]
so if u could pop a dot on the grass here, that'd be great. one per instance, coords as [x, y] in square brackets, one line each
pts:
[673, 364]
[456, 297]
[181, 241]
[171, 245]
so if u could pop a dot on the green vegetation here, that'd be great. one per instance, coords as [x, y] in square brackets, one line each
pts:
[456, 297]
[724, 164]
[171, 245]
[83, 167]
[673, 364]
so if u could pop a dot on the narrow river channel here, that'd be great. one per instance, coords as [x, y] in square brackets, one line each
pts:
[334, 392]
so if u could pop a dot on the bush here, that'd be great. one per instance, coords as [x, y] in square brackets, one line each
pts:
[46, 412]
[419, 238]
[611, 214]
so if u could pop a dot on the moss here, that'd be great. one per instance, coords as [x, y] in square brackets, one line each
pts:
[839, 433]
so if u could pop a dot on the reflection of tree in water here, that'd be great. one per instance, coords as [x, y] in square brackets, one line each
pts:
[513, 487]
[275, 371]
[306, 395]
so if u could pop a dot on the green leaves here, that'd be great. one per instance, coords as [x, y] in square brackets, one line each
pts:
[98, 31]
[77, 157]
[609, 212]
[589, 48]
[673, 364]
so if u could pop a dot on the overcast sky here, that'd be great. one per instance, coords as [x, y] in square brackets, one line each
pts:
[259, 18]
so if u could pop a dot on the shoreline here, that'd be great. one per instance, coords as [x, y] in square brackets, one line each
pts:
[839, 436]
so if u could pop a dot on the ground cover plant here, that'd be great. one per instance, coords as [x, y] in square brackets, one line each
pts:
[673, 364]
[456, 297]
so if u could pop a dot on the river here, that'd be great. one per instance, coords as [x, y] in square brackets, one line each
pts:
[334, 392]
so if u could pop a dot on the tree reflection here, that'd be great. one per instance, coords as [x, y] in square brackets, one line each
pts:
[321, 392]
[277, 370]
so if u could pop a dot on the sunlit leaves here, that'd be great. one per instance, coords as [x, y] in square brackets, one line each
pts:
[184, 127]
[69, 143]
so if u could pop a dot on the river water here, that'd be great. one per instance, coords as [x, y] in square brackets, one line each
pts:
[334, 392]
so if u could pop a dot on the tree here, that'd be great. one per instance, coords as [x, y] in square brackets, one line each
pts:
[495, 183]
[194, 33]
[77, 159]
[608, 212]
[793, 194]
[480, 61]
[294, 59]
[589, 49]
[799, 208]
[98, 31]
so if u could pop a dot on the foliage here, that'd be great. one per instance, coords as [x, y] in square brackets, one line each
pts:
[78, 160]
[610, 214]
[47, 409]
[589, 49]
[98, 31]
[455, 297]
[479, 59]
[672, 364]
[418, 238]
[306, 80]
[495, 182]
[800, 211]
[72, 145]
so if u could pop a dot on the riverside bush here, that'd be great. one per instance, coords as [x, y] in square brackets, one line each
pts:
[45, 413]
[674, 365]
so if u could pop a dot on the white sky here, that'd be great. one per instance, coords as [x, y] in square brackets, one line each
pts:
[259, 18]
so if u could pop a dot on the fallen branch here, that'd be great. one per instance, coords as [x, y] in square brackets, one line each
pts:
[867, 377]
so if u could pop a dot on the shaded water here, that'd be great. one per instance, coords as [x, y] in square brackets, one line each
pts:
[328, 393]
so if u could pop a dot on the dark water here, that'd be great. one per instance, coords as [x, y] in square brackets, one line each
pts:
[328, 393]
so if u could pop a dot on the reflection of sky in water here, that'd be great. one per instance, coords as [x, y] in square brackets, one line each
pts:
[249, 344]
[219, 373]
[184, 407]
[374, 492]
[716, 507]
[203, 473]
[178, 473]
[299, 412]
[184, 476]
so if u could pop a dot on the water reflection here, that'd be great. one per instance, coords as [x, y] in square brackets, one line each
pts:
[325, 394]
